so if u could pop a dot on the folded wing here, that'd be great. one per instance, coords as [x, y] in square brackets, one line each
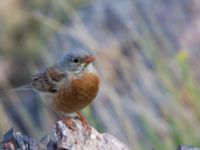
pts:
[48, 81]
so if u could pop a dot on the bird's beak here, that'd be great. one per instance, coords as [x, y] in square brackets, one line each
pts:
[88, 59]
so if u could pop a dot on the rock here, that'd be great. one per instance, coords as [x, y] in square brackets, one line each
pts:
[63, 139]
[79, 139]
[187, 147]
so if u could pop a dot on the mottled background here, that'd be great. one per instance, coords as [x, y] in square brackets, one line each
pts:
[147, 53]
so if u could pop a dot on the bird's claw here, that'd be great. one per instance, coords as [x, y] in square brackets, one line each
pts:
[69, 123]
[86, 126]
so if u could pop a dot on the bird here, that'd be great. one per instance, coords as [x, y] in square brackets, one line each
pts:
[69, 85]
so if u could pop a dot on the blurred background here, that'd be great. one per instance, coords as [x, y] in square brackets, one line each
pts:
[147, 53]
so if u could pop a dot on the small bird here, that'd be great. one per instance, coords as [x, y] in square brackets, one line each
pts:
[70, 85]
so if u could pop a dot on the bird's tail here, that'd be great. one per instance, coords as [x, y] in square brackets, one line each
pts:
[26, 87]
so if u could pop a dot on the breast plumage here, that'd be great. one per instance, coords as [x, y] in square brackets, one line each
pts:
[78, 94]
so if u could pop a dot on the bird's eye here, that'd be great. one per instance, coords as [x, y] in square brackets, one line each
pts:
[75, 60]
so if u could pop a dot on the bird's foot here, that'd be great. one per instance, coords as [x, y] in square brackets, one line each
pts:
[85, 124]
[69, 123]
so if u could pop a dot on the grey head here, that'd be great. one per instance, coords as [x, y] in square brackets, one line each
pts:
[75, 60]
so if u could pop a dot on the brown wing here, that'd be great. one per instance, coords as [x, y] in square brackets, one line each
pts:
[48, 80]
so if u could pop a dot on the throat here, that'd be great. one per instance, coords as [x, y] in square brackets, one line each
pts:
[85, 68]
[80, 69]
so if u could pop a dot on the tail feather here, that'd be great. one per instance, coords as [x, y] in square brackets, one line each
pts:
[18, 89]
[27, 87]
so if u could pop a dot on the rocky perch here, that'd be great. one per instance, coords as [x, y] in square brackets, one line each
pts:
[63, 139]
[66, 139]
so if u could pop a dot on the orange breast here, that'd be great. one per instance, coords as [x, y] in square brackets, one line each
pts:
[77, 95]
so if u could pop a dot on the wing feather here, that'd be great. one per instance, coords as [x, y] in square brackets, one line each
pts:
[48, 80]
